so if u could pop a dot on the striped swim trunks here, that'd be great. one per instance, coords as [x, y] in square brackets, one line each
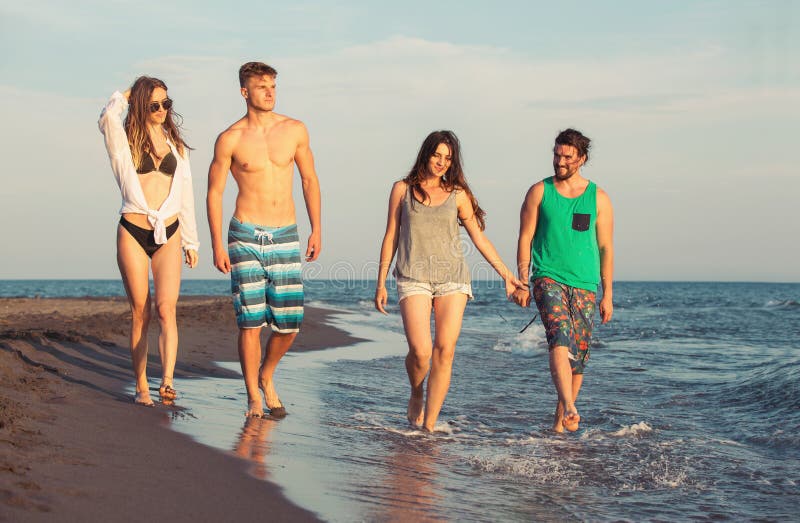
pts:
[266, 276]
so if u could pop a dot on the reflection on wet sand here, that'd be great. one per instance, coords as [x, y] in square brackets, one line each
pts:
[409, 491]
[253, 446]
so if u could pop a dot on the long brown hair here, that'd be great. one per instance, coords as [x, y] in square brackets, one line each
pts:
[136, 120]
[453, 179]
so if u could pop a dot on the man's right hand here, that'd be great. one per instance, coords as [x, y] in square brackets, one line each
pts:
[521, 297]
[221, 261]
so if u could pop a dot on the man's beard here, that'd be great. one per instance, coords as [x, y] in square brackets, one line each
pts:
[566, 176]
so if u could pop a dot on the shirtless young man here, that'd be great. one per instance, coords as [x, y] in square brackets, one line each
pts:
[263, 249]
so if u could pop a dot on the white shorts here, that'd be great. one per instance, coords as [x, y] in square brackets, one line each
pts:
[406, 288]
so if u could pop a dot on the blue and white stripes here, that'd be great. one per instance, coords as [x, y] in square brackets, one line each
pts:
[266, 276]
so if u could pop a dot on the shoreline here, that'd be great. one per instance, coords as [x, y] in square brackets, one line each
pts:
[76, 447]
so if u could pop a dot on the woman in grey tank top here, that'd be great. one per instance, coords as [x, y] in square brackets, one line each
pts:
[425, 211]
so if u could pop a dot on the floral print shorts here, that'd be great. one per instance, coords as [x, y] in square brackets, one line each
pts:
[568, 317]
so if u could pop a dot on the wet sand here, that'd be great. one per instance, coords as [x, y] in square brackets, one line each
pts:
[74, 447]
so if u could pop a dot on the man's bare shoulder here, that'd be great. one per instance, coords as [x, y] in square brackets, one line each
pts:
[602, 197]
[234, 131]
[282, 118]
[536, 190]
[290, 125]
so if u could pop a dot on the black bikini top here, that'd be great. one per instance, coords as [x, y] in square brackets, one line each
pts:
[167, 166]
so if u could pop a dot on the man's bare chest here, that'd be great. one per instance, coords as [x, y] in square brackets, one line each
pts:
[264, 154]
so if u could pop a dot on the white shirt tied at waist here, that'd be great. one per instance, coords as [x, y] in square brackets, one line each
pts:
[180, 199]
[159, 227]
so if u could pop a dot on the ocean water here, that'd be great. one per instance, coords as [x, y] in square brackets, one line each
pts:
[690, 411]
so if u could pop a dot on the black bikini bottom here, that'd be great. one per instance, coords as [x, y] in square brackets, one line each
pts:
[146, 237]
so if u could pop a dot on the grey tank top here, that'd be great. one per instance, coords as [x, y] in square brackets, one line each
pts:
[429, 248]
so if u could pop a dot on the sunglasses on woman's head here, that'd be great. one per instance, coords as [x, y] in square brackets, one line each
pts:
[155, 106]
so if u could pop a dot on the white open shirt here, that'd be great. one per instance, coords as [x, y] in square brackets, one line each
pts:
[180, 199]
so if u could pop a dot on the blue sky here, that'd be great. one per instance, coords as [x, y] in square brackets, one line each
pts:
[694, 108]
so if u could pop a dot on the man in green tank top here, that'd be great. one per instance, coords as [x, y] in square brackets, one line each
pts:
[565, 250]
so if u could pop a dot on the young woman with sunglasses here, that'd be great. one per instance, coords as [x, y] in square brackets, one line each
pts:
[150, 162]
[425, 211]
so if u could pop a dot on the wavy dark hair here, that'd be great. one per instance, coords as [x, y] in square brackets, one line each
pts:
[577, 140]
[136, 120]
[453, 179]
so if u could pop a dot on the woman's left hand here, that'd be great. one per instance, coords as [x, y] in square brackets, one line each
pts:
[512, 284]
[190, 257]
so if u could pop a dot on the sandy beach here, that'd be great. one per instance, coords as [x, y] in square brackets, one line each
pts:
[75, 447]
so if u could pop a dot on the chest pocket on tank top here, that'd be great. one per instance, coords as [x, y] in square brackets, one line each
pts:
[580, 221]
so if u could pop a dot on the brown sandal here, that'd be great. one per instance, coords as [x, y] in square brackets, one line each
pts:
[167, 393]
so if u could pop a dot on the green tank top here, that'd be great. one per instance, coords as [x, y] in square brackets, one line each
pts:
[564, 245]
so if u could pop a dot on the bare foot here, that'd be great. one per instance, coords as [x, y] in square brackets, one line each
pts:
[558, 418]
[274, 404]
[254, 409]
[143, 398]
[416, 409]
[558, 423]
[571, 420]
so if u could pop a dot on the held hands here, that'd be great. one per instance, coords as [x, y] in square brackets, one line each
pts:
[512, 284]
[190, 256]
[380, 299]
[521, 295]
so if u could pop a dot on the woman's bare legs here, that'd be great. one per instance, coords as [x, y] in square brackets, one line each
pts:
[134, 268]
[416, 313]
[448, 314]
[425, 354]
[166, 266]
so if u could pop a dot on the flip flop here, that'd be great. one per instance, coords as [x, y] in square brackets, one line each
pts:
[167, 393]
